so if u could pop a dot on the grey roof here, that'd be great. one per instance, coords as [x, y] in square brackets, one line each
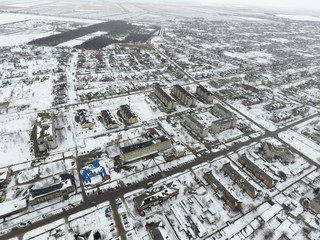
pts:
[258, 171]
[221, 188]
[238, 177]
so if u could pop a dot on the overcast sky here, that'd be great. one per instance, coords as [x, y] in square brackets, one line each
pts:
[283, 5]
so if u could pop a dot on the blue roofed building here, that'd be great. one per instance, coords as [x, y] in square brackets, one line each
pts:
[95, 173]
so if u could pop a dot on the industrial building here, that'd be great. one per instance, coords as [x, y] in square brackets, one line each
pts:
[204, 93]
[108, 119]
[128, 115]
[239, 180]
[195, 126]
[221, 191]
[223, 124]
[46, 133]
[62, 188]
[152, 198]
[166, 100]
[146, 148]
[257, 172]
[184, 96]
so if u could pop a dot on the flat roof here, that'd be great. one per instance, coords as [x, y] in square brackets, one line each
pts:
[142, 145]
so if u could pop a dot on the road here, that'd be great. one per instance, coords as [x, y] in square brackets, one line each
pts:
[110, 196]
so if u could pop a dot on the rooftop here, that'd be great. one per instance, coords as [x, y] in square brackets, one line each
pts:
[142, 145]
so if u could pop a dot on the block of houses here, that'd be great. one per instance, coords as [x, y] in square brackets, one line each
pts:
[273, 152]
[184, 96]
[62, 188]
[256, 171]
[152, 198]
[45, 132]
[84, 119]
[251, 101]
[250, 88]
[274, 106]
[128, 115]
[165, 99]
[204, 93]
[146, 148]
[223, 124]
[300, 110]
[240, 180]
[281, 117]
[195, 126]
[108, 119]
[221, 191]
[94, 173]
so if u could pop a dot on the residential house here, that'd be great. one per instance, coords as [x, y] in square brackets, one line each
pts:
[46, 133]
[239, 180]
[166, 100]
[128, 115]
[195, 126]
[183, 96]
[156, 196]
[221, 191]
[204, 93]
[256, 171]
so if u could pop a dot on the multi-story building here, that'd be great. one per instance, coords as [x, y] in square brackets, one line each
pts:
[58, 189]
[239, 180]
[152, 198]
[184, 96]
[273, 152]
[84, 119]
[220, 112]
[128, 115]
[166, 100]
[146, 148]
[204, 93]
[256, 171]
[223, 124]
[197, 127]
[108, 119]
[46, 133]
[221, 191]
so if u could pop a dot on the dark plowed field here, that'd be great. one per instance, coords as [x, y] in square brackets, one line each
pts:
[136, 34]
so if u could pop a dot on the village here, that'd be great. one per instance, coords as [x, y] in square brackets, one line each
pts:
[204, 131]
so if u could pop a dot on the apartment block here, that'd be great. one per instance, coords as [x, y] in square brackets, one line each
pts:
[184, 96]
[166, 100]
[204, 93]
